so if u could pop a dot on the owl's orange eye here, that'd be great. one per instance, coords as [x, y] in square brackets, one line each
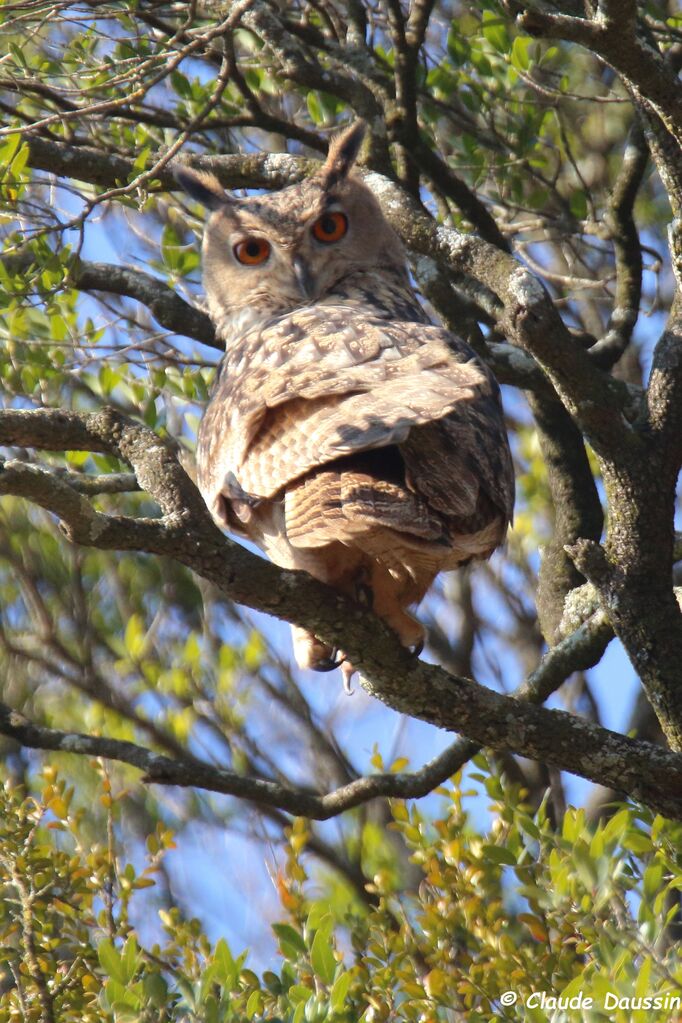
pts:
[252, 251]
[330, 227]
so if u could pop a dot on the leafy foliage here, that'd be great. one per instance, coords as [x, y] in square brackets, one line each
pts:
[517, 907]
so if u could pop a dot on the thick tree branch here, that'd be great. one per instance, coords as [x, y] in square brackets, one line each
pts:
[665, 152]
[576, 507]
[462, 312]
[298, 63]
[578, 652]
[425, 691]
[459, 192]
[614, 38]
[643, 770]
[646, 617]
[166, 306]
[664, 393]
[628, 251]
[633, 575]
[529, 316]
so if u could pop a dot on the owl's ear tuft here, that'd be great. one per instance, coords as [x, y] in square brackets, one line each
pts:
[203, 187]
[343, 152]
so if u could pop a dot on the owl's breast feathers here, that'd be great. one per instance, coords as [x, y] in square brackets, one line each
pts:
[349, 416]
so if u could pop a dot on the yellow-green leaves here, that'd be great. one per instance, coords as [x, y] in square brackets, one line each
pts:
[517, 906]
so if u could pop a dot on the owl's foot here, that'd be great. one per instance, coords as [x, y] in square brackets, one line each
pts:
[314, 655]
[335, 660]
[411, 632]
[311, 653]
[308, 650]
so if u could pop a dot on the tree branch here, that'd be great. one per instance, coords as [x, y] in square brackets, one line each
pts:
[166, 306]
[529, 316]
[645, 615]
[640, 769]
[628, 251]
[576, 507]
[390, 672]
[579, 651]
[613, 37]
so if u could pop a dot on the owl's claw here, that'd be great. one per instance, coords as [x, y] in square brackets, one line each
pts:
[347, 670]
[416, 648]
[335, 660]
[364, 595]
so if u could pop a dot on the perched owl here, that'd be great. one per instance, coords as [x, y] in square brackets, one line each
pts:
[346, 434]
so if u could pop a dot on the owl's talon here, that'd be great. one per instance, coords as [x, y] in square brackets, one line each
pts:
[335, 660]
[416, 649]
[347, 670]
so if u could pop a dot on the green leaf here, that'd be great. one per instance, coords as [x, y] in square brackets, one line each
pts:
[18, 55]
[20, 160]
[226, 968]
[8, 148]
[337, 998]
[134, 637]
[110, 960]
[288, 936]
[617, 826]
[578, 204]
[314, 107]
[140, 162]
[322, 953]
[254, 1004]
[299, 994]
[181, 84]
[495, 32]
[499, 854]
[126, 1013]
[318, 913]
[520, 56]
[130, 958]
[156, 989]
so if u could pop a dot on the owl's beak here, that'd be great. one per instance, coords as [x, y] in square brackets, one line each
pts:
[304, 278]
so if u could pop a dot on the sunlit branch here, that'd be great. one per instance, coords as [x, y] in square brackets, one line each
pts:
[390, 673]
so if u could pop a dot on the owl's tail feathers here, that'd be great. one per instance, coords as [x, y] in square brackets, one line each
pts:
[344, 501]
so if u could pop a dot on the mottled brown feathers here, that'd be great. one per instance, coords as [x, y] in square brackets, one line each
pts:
[343, 152]
[346, 434]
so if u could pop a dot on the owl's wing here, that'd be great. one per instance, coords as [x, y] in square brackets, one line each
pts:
[461, 464]
[325, 382]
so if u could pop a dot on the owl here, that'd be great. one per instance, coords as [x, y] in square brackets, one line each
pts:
[347, 434]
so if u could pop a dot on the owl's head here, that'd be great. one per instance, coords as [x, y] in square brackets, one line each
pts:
[269, 254]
